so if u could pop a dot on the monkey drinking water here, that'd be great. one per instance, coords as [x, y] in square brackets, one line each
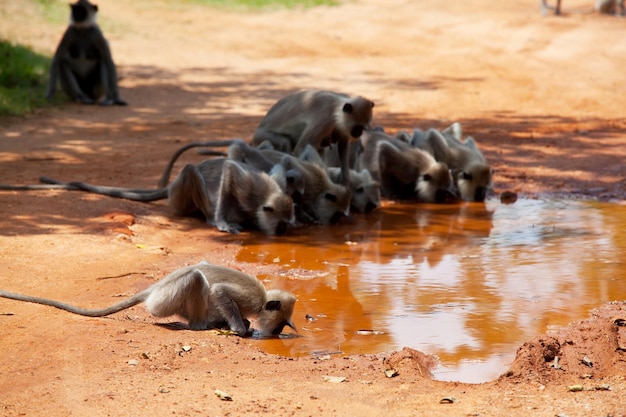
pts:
[207, 296]
[317, 118]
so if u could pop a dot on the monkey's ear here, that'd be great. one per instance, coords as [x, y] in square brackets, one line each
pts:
[273, 305]
[347, 108]
[427, 177]
[466, 176]
[372, 104]
[331, 197]
[269, 209]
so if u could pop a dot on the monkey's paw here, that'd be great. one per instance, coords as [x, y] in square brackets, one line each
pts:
[233, 228]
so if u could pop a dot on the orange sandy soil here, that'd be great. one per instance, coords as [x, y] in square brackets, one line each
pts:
[544, 97]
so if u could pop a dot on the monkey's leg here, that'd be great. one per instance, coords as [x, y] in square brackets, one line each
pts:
[188, 193]
[185, 294]
[344, 160]
[108, 80]
[279, 142]
[228, 308]
[233, 176]
[70, 85]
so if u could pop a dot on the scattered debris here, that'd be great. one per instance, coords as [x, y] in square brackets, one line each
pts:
[369, 332]
[224, 396]
[133, 362]
[508, 197]
[390, 373]
[334, 379]
[447, 400]
[578, 388]
[587, 361]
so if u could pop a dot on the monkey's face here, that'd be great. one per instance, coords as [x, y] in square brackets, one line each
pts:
[365, 197]
[333, 205]
[275, 215]
[83, 13]
[276, 313]
[357, 116]
[475, 182]
[435, 184]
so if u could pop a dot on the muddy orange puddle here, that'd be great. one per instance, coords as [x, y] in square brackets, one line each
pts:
[469, 283]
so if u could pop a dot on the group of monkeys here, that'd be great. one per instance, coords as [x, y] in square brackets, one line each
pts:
[313, 158]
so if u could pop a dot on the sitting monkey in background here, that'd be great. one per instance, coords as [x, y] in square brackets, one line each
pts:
[83, 61]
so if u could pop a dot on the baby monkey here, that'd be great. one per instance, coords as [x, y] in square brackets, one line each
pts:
[207, 296]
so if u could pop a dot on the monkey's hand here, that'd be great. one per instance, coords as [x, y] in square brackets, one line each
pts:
[233, 228]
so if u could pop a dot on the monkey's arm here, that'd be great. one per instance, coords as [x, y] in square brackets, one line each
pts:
[226, 305]
[55, 66]
[233, 176]
[109, 73]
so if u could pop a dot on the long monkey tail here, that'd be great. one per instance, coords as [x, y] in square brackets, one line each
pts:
[129, 302]
[170, 165]
[142, 195]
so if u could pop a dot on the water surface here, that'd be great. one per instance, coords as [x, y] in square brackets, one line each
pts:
[469, 283]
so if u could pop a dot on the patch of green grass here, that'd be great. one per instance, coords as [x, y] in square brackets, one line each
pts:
[23, 78]
[268, 4]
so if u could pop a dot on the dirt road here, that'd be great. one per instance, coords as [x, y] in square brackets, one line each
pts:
[543, 96]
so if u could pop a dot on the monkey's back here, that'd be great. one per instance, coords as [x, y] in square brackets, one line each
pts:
[247, 291]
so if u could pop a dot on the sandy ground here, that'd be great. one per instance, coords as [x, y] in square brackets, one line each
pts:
[543, 96]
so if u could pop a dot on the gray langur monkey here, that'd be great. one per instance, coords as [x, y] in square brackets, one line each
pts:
[290, 179]
[317, 118]
[228, 194]
[321, 200]
[615, 7]
[208, 296]
[365, 190]
[403, 171]
[83, 61]
[470, 171]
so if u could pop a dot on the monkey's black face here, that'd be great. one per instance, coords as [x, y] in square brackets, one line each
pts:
[281, 228]
[79, 13]
[369, 207]
[357, 131]
[480, 194]
[334, 219]
[278, 330]
[443, 196]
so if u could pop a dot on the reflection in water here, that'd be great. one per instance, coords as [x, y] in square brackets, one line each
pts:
[469, 283]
